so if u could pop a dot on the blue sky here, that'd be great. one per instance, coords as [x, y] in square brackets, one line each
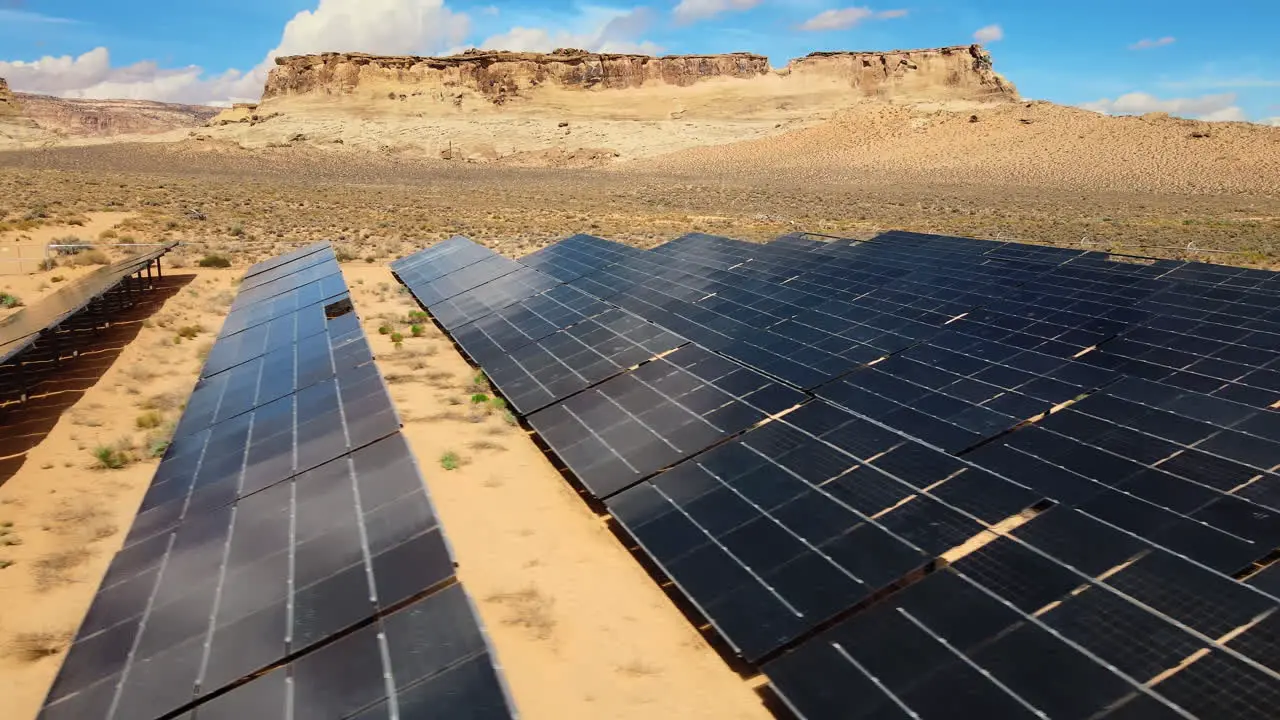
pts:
[1219, 61]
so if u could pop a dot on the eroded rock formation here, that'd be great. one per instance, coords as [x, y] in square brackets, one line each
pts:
[8, 103]
[955, 72]
[108, 118]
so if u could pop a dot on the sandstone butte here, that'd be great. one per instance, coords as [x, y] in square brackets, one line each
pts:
[951, 73]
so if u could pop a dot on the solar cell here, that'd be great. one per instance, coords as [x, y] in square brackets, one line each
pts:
[478, 302]
[576, 256]
[637, 423]
[515, 326]
[576, 358]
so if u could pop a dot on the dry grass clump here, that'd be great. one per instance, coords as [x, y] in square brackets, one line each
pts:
[527, 608]
[114, 456]
[34, 646]
[55, 570]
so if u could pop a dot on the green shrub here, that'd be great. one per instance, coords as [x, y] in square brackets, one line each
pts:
[450, 460]
[498, 404]
[397, 338]
[416, 330]
[479, 398]
[214, 261]
[417, 316]
[111, 458]
[384, 329]
[236, 229]
[9, 300]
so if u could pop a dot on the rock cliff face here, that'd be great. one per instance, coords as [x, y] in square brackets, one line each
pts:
[8, 103]
[959, 72]
[107, 118]
[500, 77]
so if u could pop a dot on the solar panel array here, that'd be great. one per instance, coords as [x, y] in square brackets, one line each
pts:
[918, 476]
[286, 560]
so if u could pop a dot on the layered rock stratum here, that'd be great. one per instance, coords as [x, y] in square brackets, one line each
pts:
[961, 72]
[8, 103]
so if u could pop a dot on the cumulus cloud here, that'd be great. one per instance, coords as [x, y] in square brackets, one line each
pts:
[845, 18]
[689, 11]
[604, 31]
[375, 26]
[92, 76]
[1275, 121]
[989, 34]
[1147, 43]
[1221, 107]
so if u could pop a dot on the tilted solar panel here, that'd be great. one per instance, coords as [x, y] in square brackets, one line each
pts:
[286, 557]
[1045, 474]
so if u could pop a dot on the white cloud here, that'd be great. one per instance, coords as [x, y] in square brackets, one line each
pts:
[845, 18]
[1147, 44]
[599, 30]
[689, 11]
[23, 16]
[388, 27]
[989, 34]
[92, 76]
[1219, 107]
[1272, 121]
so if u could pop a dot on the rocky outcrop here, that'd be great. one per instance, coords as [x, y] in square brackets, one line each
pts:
[958, 72]
[8, 103]
[498, 75]
[108, 118]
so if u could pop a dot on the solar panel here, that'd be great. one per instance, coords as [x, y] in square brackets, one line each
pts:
[637, 423]
[525, 321]
[576, 256]
[21, 329]
[989, 477]
[287, 530]
[478, 302]
[576, 358]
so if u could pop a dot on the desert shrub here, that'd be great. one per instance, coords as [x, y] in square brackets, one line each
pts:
[148, 420]
[213, 260]
[498, 404]
[417, 316]
[48, 264]
[57, 279]
[9, 300]
[397, 338]
[89, 257]
[343, 255]
[108, 234]
[39, 212]
[111, 458]
[416, 330]
[190, 331]
[479, 398]
[236, 229]
[384, 329]
[450, 460]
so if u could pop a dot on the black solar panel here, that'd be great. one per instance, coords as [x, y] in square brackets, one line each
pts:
[515, 326]
[1020, 481]
[577, 358]
[576, 256]
[288, 530]
[637, 423]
